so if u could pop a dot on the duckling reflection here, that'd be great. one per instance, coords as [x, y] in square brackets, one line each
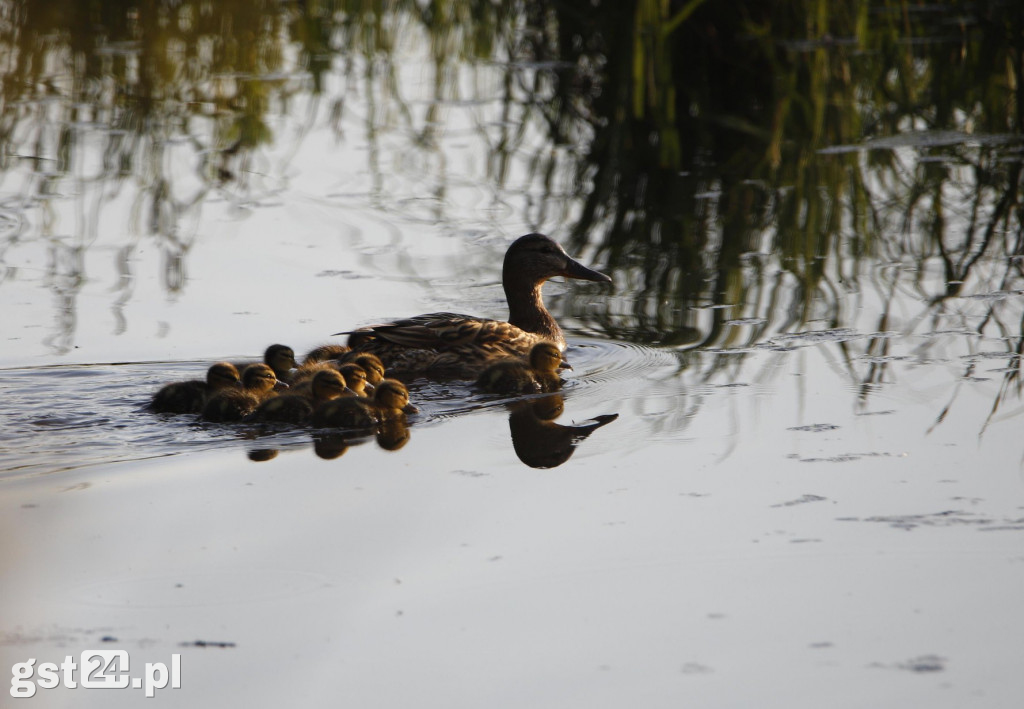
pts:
[280, 358]
[393, 434]
[537, 374]
[262, 455]
[329, 445]
[540, 442]
[229, 405]
[189, 397]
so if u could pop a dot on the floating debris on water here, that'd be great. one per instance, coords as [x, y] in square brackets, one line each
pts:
[814, 427]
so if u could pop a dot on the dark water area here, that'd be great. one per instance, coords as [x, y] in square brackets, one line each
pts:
[786, 462]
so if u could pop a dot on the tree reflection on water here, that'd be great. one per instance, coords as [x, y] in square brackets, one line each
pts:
[747, 170]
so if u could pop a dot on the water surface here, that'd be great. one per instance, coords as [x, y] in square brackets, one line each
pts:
[812, 493]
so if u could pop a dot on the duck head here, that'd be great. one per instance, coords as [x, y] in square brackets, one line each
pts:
[535, 258]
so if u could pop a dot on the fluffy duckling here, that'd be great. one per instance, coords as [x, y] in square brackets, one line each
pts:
[370, 363]
[324, 353]
[302, 379]
[190, 396]
[390, 403]
[517, 376]
[280, 358]
[258, 382]
[327, 384]
[356, 379]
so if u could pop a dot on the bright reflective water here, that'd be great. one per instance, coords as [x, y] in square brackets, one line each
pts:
[811, 495]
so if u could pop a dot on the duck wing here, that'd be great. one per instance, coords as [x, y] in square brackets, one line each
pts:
[437, 331]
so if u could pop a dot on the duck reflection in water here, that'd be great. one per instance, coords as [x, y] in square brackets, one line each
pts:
[540, 442]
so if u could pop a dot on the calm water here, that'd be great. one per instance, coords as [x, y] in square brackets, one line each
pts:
[808, 488]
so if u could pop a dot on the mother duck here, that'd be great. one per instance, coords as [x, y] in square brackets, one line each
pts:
[449, 344]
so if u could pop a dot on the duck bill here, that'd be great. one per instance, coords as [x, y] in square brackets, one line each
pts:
[279, 385]
[564, 365]
[575, 269]
[410, 409]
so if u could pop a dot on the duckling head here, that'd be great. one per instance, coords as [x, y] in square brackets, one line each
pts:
[546, 357]
[281, 359]
[222, 375]
[536, 258]
[392, 394]
[373, 368]
[259, 378]
[328, 384]
[355, 377]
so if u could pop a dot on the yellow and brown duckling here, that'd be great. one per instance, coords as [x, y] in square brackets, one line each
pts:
[258, 382]
[280, 358]
[356, 379]
[327, 384]
[515, 375]
[390, 403]
[449, 344]
[302, 378]
[371, 364]
[189, 397]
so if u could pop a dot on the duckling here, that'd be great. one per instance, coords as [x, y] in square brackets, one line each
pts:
[280, 358]
[390, 403]
[449, 344]
[302, 379]
[517, 376]
[325, 352]
[327, 384]
[355, 378]
[324, 356]
[370, 363]
[189, 397]
[258, 382]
